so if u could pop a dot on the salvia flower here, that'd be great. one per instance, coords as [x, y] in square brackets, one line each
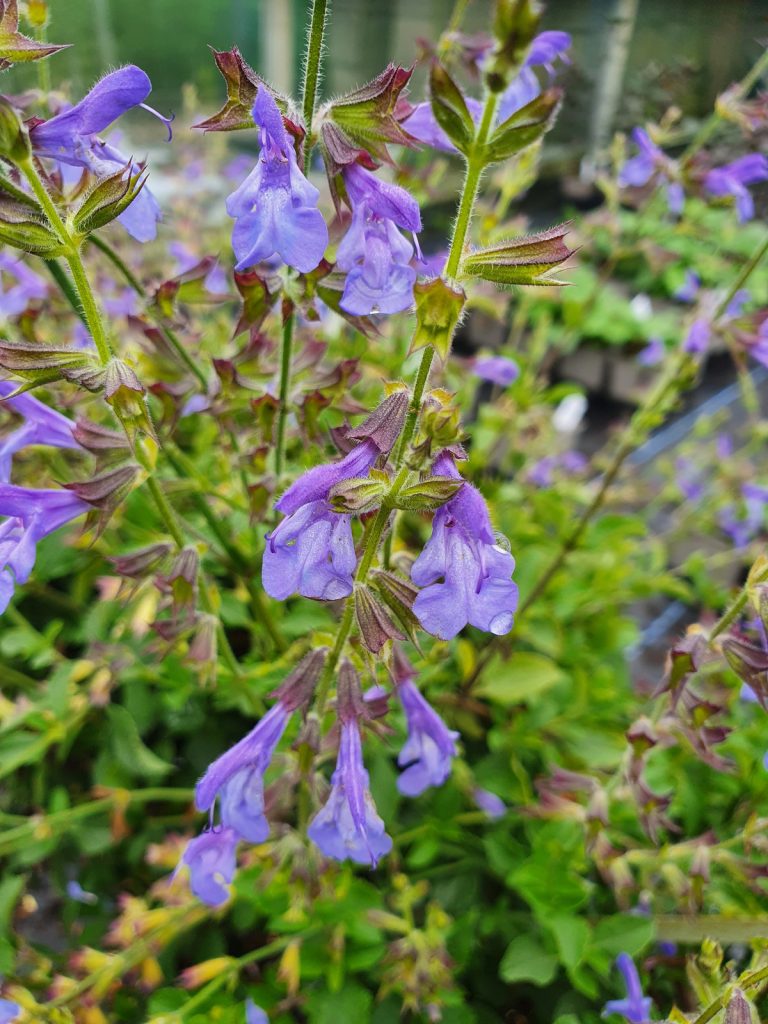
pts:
[236, 778]
[653, 353]
[211, 859]
[732, 180]
[72, 137]
[32, 514]
[689, 289]
[348, 826]
[254, 1014]
[497, 369]
[635, 1008]
[697, 338]
[491, 805]
[311, 552]
[29, 285]
[431, 745]
[463, 570]
[651, 161]
[42, 425]
[9, 1011]
[275, 208]
[373, 253]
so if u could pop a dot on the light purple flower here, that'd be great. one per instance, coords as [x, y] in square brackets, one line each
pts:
[430, 747]
[32, 515]
[311, 552]
[546, 48]
[653, 353]
[275, 208]
[689, 289]
[42, 425]
[733, 179]
[650, 161]
[740, 527]
[29, 286]
[493, 806]
[635, 1008]
[463, 570]
[237, 778]
[211, 860]
[697, 338]
[71, 137]
[496, 369]
[215, 281]
[757, 347]
[348, 827]
[76, 892]
[373, 253]
[736, 306]
[254, 1014]
[9, 1011]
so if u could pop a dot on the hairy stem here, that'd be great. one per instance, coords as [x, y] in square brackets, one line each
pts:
[311, 77]
[286, 352]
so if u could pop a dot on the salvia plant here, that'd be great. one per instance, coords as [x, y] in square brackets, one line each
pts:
[282, 740]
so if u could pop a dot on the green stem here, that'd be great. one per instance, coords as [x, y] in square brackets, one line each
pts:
[710, 126]
[286, 352]
[66, 288]
[133, 282]
[166, 512]
[311, 78]
[734, 610]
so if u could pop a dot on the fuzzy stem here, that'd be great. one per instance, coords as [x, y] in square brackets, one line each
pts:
[311, 78]
[749, 981]
[286, 352]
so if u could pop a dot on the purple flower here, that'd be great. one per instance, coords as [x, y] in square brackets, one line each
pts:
[496, 369]
[650, 161]
[210, 858]
[72, 138]
[636, 1007]
[215, 281]
[8, 1011]
[254, 1014]
[653, 353]
[758, 346]
[29, 285]
[373, 253]
[465, 573]
[348, 826]
[541, 473]
[311, 552]
[489, 803]
[743, 528]
[697, 338]
[42, 425]
[736, 306]
[689, 289]
[733, 179]
[275, 208]
[237, 778]
[430, 747]
[32, 515]
[546, 48]
[76, 892]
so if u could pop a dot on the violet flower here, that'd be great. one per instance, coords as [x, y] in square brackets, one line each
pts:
[348, 827]
[215, 281]
[545, 49]
[42, 425]
[9, 1011]
[697, 338]
[465, 573]
[732, 180]
[311, 552]
[653, 353]
[491, 805]
[736, 306]
[650, 161]
[497, 369]
[210, 858]
[430, 747]
[237, 778]
[254, 1014]
[373, 253]
[275, 208]
[76, 892]
[72, 137]
[689, 289]
[635, 1008]
[29, 285]
[32, 515]
[743, 528]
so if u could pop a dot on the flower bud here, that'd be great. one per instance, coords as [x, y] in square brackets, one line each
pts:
[125, 393]
[297, 688]
[438, 311]
[137, 563]
[739, 1009]
[384, 424]
[207, 970]
[359, 494]
[376, 627]
[14, 139]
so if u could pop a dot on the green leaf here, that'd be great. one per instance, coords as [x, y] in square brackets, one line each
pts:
[524, 127]
[526, 959]
[621, 933]
[571, 935]
[129, 749]
[353, 1003]
[450, 109]
[525, 676]
[10, 890]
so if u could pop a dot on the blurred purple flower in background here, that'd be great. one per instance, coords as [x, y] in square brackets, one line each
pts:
[653, 353]
[275, 208]
[689, 289]
[732, 180]
[649, 161]
[635, 1007]
[9, 1011]
[496, 369]
[211, 860]
[254, 1014]
[42, 425]
[493, 806]
[29, 286]
[430, 747]
[697, 338]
